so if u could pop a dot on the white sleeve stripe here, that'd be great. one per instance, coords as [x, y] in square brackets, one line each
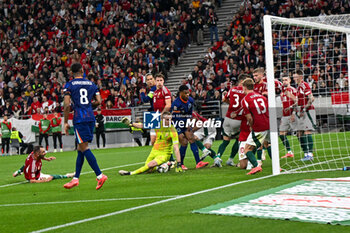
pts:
[167, 97]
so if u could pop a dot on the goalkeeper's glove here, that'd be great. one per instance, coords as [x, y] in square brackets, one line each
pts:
[178, 167]
[126, 121]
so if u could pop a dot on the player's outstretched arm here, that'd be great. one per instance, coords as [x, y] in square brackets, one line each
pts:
[49, 158]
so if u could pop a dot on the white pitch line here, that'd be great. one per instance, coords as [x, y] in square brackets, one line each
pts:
[83, 201]
[7, 185]
[83, 173]
[147, 205]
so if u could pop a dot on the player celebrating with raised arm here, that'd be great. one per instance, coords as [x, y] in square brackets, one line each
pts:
[232, 121]
[255, 109]
[306, 116]
[288, 122]
[166, 141]
[182, 109]
[81, 91]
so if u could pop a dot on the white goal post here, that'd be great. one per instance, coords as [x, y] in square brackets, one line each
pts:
[332, 150]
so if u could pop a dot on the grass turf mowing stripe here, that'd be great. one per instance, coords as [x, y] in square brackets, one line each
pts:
[81, 201]
[83, 173]
[148, 205]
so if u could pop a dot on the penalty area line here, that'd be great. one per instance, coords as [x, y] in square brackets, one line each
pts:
[148, 205]
[83, 201]
[83, 173]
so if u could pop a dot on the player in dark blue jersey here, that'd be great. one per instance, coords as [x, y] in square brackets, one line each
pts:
[81, 92]
[182, 109]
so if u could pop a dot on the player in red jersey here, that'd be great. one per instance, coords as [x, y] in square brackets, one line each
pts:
[260, 85]
[161, 100]
[255, 109]
[33, 165]
[233, 118]
[306, 115]
[288, 122]
[162, 96]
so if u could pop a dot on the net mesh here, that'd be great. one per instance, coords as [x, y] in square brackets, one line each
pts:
[322, 56]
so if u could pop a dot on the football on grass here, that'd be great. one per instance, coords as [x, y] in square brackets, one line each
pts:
[163, 168]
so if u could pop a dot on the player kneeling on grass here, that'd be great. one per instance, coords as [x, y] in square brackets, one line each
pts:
[166, 140]
[255, 109]
[33, 165]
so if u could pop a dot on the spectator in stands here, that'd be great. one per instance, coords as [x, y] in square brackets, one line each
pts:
[212, 24]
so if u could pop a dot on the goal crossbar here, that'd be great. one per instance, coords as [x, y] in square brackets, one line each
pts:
[305, 23]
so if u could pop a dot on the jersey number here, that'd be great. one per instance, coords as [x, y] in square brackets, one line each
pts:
[262, 105]
[236, 97]
[84, 96]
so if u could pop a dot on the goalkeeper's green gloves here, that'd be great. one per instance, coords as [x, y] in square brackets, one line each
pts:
[126, 121]
[178, 167]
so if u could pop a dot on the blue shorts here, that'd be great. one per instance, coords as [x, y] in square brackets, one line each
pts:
[181, 130]
[84, 131]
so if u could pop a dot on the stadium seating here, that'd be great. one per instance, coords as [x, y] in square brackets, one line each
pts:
[242, 50]
[117, 42]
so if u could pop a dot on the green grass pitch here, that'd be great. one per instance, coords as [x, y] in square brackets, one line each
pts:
[46, 205]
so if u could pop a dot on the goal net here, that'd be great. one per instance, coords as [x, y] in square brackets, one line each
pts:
[320, 48]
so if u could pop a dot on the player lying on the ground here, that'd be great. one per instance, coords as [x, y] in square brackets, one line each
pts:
[204, 137]
[255, 108]
[182, 109]
[166, 141]
[232, 121]
[33, 165]
[288, 121]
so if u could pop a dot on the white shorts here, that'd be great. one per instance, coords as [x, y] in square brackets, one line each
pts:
[207, 135]
[260, 136]
[231, 127]
[241, 150]
[44, 176]
[308, 121]
[287, 125]
[153, 132]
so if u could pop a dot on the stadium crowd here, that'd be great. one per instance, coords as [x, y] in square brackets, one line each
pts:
[117, 42]
[241, 50]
